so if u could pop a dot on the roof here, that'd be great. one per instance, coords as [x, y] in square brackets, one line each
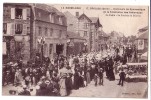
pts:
[144, 35]
[83, 15]
[100, 33]
[143, 29]
[74, 35]
[48, 8]
[17, 4]
[93, 19]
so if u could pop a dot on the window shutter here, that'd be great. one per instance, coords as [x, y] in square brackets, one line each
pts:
[28, 13]
[24, 29]
[12, 13]
[9, 28]
[24, 14]
[13, 29]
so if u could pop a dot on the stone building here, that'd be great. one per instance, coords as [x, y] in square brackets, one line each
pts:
[33, 28]
[86, 27]
[17, 26]
[50, 25]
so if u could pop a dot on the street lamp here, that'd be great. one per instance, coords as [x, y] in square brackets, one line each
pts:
[42, 42]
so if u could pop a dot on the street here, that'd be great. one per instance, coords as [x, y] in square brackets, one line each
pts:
[109, 90]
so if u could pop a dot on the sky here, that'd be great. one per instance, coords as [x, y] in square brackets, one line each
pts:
[126, 24]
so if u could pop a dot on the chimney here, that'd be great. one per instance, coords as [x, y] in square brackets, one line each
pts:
[77, 14]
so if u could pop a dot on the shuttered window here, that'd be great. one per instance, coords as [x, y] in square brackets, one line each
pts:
[19, 13]
[18, 28]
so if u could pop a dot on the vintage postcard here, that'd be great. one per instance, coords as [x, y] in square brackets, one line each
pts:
[75, 50]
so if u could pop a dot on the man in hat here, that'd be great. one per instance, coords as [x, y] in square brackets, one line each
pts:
[25, 92]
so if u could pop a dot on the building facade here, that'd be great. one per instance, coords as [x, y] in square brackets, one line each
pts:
[26, 25]
[103, 40]
[86, 27]
[142, 40]
[75, 44]
[16, 31]
[50, 25]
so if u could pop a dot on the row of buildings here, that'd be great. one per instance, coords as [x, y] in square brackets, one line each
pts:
[30, 29]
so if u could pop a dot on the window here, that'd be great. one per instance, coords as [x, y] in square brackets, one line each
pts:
[18, 28]
[28, 30]
[28, 13]
[60, 33]
[4, 28]
[86, 25]
[39, 31]
[51, 32]
[85, 34]
[18, 13]
[52, 18]
[50, 48]
[60, 20]
[46, 31]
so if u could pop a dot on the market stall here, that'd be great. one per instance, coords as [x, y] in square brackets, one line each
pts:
[136, 72]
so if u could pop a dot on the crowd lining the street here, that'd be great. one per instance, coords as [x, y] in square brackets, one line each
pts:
[60, 76]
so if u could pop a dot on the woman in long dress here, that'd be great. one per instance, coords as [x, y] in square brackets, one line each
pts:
[63, 75]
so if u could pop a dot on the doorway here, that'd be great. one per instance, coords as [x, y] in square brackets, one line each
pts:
[59, 49]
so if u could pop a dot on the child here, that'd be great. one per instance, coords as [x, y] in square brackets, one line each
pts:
[95, 79]
[122, 77]
[100, 73]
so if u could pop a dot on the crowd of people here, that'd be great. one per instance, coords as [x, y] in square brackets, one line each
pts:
[59, 76]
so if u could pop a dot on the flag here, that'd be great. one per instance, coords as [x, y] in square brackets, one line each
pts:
[97, 24]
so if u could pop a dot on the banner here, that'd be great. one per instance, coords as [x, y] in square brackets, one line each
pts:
[140, 44]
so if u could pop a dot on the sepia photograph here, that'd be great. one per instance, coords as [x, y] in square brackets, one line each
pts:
[74, 50]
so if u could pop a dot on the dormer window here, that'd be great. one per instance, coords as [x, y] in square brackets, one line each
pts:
[60, 20]
[52, 18]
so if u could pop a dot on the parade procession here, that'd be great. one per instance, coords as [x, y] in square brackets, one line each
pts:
[53, 52]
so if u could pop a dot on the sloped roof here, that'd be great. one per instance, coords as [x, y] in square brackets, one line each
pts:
[18, 4]
[48, 8]
[83, 15]
[93, 19]
[143, 29]
[74, 35]
[100, 33]
[145, 35]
